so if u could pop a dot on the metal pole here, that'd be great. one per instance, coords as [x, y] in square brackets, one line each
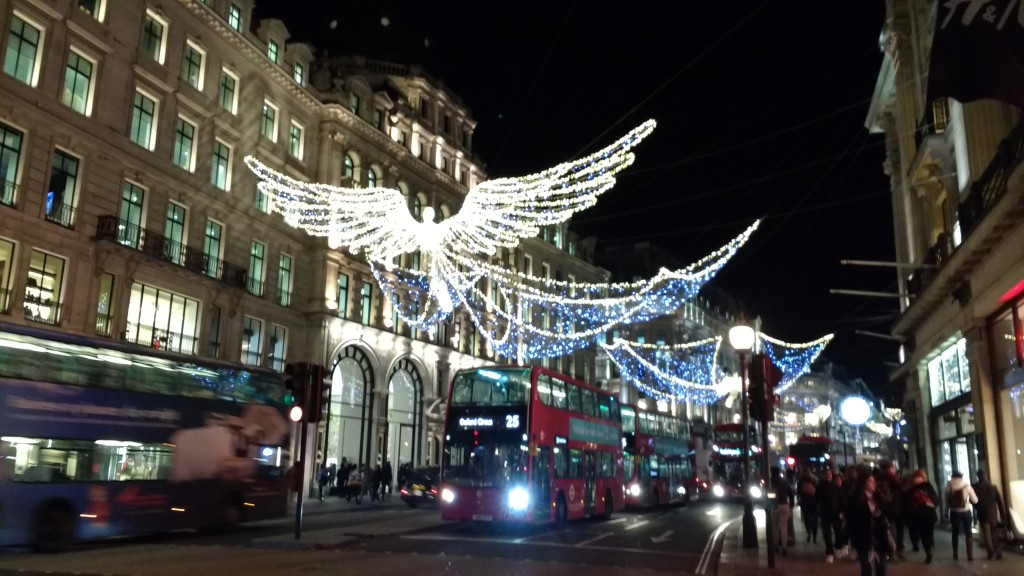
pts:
[300, 469]
[769, 539]
[749, 523]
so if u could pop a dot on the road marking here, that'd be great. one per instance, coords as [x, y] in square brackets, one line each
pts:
[705, 558]
[665, 537]
[637, 525]
[549, 544]
[595, 539]
[615, 520]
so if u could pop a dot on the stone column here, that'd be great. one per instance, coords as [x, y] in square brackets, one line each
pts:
[983, 397]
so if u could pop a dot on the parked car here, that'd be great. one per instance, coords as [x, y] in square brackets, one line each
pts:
[421, 486]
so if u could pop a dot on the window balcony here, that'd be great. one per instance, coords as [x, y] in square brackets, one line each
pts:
[5, 301]
[7, 193]
[60, 213]
[255, 286]
[42, 310]
[103, 324]
[284, 298]
[160, 247]
[159, 339]
[987, 190]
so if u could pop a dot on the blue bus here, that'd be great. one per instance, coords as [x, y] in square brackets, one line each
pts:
[101, 440]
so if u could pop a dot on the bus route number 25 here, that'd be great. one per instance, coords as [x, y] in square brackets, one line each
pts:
[512, 421]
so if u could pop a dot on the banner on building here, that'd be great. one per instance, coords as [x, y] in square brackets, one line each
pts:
[978, 51]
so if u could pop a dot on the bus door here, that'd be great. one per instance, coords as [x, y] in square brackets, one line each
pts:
[540, 491]
[644, 478]
[589, 481]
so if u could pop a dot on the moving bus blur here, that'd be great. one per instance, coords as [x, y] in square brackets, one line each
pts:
[815, 453]
[529, 445]
[656, 459]
[102, 440]
[728, 460]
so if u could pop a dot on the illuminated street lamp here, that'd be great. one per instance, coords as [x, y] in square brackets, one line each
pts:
[855, 411]
[741, 337]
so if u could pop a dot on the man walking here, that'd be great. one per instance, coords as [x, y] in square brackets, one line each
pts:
[783, 507]
[991, 513]
[830, 508]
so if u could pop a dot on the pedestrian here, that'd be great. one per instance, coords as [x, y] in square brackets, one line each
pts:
[868, 527]
[343, 471]
[920, 499]
[386, 478]
[959, 498]
[991, 514]
[830, 511]
[890, 494]
[321, 479]
[783, 507]
[808, 496]
[375, 481]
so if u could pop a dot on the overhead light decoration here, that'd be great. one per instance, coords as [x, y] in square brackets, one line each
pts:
[495, 213]
[792, 359]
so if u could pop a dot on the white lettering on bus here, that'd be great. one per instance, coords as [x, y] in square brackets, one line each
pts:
[475, 422]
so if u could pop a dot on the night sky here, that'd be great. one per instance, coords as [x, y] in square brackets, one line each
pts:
[760, 106]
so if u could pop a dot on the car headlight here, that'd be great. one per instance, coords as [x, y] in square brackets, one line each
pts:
[755, 491]
[634, 489]
[447, 495]
[681, 490]
[518, 498]
[718, 491]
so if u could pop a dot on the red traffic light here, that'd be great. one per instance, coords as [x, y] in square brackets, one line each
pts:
[295, 414]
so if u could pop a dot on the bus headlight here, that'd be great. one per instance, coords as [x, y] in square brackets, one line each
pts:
[634, 489]
[518, 498]
[681, 490]
[755, 491]
[447, 495]
[718, 491]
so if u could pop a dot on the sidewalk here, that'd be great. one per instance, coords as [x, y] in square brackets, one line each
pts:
[807, 559]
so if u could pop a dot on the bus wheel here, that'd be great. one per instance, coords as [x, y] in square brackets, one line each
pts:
[230, 512]
[561, 510]
[608, 505]
[55, 528]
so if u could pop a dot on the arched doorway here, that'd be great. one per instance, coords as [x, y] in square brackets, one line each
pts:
[351, 405]
[403, 442]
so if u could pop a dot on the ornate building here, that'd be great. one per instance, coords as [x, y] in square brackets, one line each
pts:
[126, 211]
[958, 197]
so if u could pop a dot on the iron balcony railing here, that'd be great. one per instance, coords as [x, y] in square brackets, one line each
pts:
[60, 213]
[159, 339]
[5, 301]
[987, 190]
[7, 192]
[161, 247]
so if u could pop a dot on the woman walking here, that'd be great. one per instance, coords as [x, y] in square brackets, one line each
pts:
[920, 499]
[868, 527]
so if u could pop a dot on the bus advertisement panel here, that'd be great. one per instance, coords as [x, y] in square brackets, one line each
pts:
[106, 460]
[656, 460]
[529, 445]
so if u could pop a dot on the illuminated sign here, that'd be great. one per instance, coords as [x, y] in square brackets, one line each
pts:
[730, 451]
[476, 422]
[561, 440]
[512, 421]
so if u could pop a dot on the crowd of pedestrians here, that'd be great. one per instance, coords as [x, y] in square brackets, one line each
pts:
[875, 511]
[353, 481]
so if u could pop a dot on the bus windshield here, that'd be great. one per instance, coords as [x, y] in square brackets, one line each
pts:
[479, 464]
[492, 387]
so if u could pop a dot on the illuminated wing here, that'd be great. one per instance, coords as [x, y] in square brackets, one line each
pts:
[501, 212]
[374, 220]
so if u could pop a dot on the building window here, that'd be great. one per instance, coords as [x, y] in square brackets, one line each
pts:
[10, 158]
[213, 332]
[284, 280]
[262, 200]
[220, 169]
[129, 229]
[60, 199]
[257, 270]
[154, 36]
[43, 290]
[371, 177]
[213, 250]
[183, 153]
[235, 17]
[528, 265]
[193, 65]
[447, 124]
[295, 140]
[353, 104]
[174, 232]
[949, 375]
[24, 43]
[252, 333]
[378, 119]
[366, 303]
[350, 167]
[268, 121]
[272, 51]
[77, 93]
[342, 296]
[105, 304]
[6, 269]
[299, 74]
[143, 131]
[162, 320]
[94, 8]
[278, 347]
[425, 108]
[228, 96]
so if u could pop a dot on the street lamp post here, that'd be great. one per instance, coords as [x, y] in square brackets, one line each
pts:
[741, 337]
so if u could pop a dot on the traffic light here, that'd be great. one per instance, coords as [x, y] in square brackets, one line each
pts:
[319, 394]
[764, 377]
[296, 390]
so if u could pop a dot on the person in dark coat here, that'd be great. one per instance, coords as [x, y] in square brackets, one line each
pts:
[386, 478]
[831, 505]
[920, 500]
[991, 513]
[868, 527]
[807, 494]
[783, 507]
[890, 493]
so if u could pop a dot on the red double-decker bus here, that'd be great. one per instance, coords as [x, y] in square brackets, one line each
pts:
[527, 444]
[656, 460]
[728, 459]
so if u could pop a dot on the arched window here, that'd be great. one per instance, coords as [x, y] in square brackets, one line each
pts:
[445, 213]
[371, 177]
[350, 167]
[417, 206]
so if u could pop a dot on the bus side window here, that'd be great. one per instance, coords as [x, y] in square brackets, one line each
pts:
[544, 389]
[607, 467]
[604, 408]
[588, 402]
[575, 402]
[574, 464]
[558, 391]
[561, 463]
[616, 412]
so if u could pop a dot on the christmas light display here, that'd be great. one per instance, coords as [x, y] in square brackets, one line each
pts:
[495, 213]
[526, 317]
[793, 360]
[677, 372]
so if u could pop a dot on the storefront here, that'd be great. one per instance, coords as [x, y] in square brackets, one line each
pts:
[1007, 349]
[952, 413]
